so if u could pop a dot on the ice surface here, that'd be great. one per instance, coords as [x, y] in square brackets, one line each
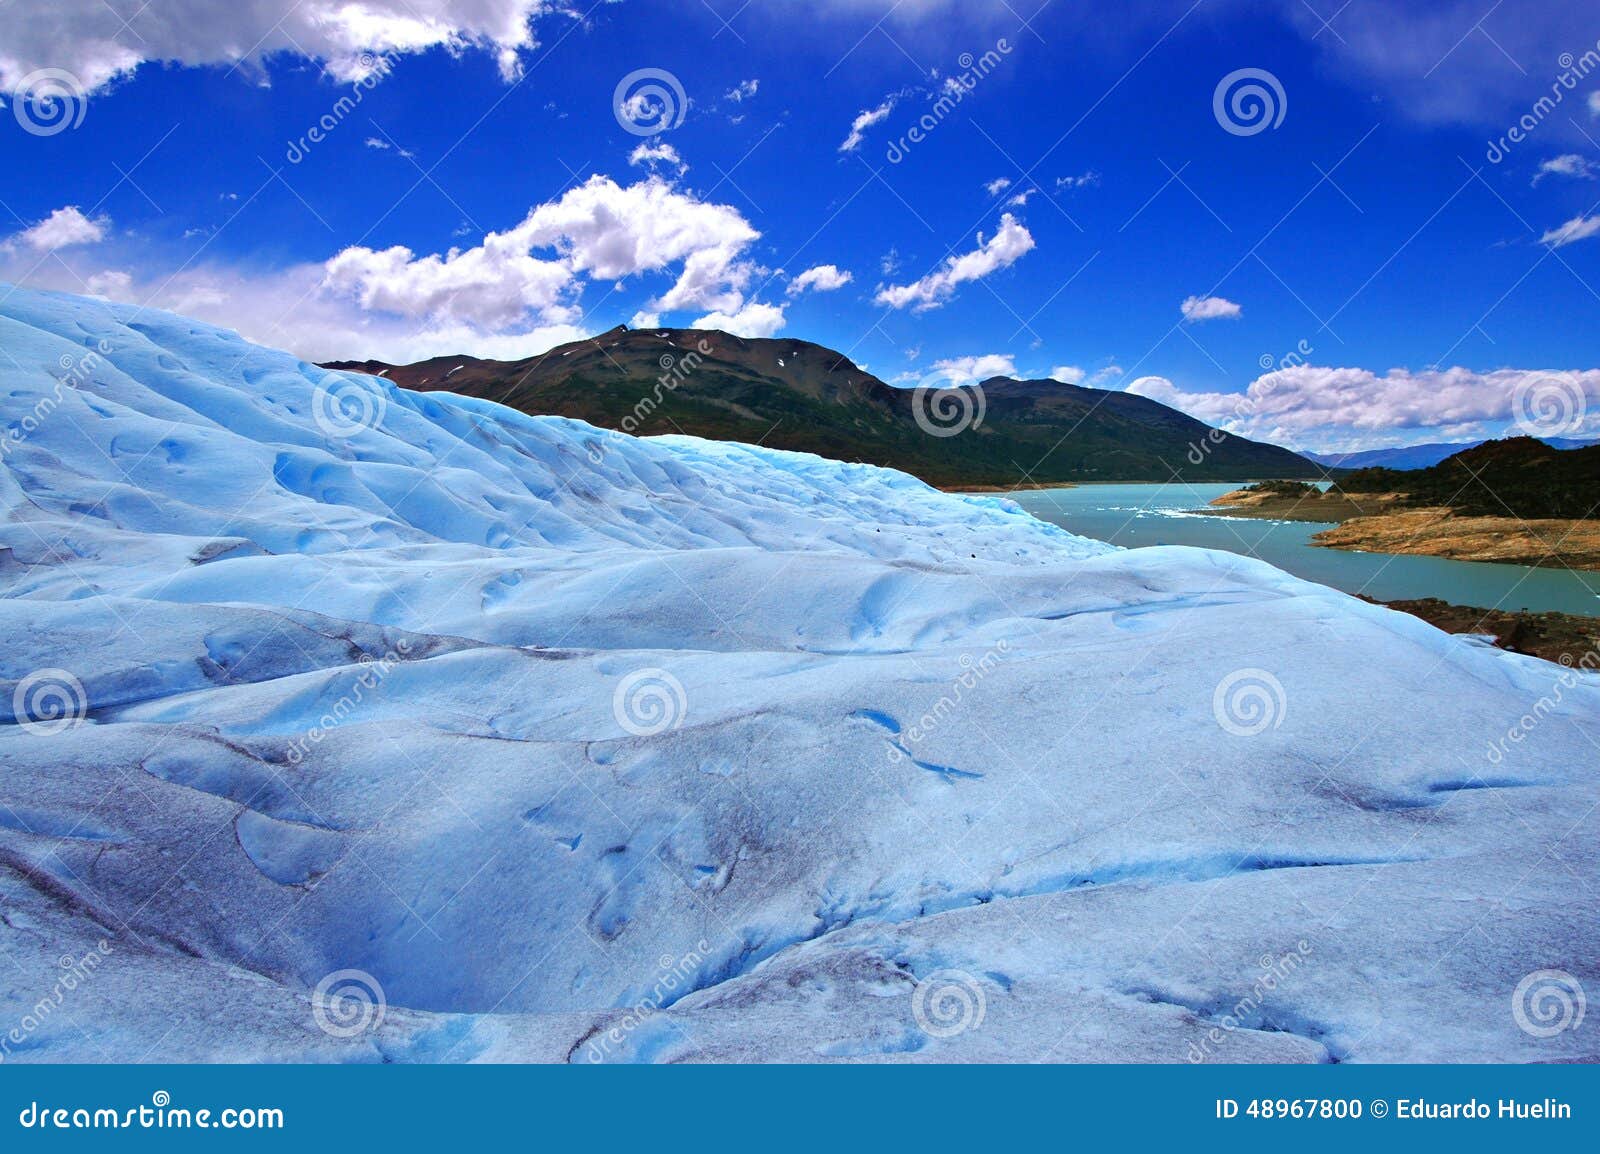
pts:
[592, 748]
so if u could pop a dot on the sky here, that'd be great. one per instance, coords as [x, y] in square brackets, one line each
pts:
[1327, 224]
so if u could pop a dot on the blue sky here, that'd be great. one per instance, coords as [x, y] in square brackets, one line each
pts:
[1359, 272]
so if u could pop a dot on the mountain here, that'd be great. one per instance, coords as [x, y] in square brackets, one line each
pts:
[790, 394]
[1417, 456]
[341, 722]
[1519, 476]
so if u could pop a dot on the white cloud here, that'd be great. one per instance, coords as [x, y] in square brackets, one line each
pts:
[657, 152]
[1573, 165]
[1450, 60]
[288, 309]
[645, 320]
[1578, 228]
[1063, 183]
[820, 278]
[742, 91]
[88, 37]
[998, 185]
[1594, 103]
[965, 370]
[1312, 407]
[384, 146]
[1075, 375]
[1021, 198]
[111, 284]
[1006, 247]
[865, 120]
[753, 320]
[514, 294]
[63, 228]
[1196, 309]
[497, 284]
[598, 229]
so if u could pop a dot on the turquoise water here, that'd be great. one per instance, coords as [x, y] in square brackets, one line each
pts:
[1138, 515]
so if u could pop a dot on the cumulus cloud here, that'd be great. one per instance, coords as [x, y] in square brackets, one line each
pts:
[1008, 245]
[89, 39]
[998, 185]
[290, 309]
[1084, 180]
[496, 284]
[752, 320]
[820, 278]
[865, 120]
[1571, 165]
[1075, 375]
[653, 153]
[112, 284]
[1312, 407]
[742, 91]
[63, 228]
[1196, 309]
[965, 370]
[1578, 228]
[599, 229]
[515, 294]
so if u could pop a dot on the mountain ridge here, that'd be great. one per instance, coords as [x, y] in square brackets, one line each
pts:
[799, 395]
[1423, 456]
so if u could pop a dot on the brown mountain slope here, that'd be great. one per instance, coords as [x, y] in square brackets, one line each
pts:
[793, 394]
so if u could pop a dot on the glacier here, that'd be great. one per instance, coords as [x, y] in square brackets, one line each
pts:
[345, 723]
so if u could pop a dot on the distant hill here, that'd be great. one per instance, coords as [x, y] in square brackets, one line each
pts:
[1417, 456]
[1519, 476]
[792, 394]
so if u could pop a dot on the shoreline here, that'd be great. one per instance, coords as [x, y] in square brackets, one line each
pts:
[1563, 638]
[1380, 523]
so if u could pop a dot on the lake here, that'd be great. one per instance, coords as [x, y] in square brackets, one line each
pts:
[1139, 515]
